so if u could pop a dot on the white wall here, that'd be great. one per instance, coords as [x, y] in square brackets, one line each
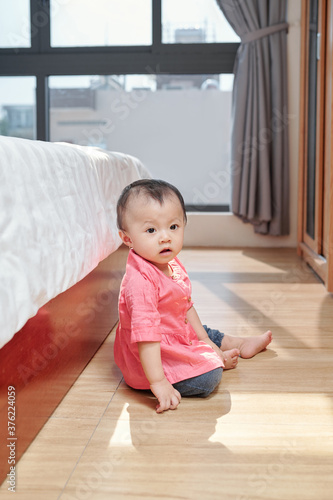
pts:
[181, 136]
[228, 230]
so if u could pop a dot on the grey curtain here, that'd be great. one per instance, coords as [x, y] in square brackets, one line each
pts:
[259, 143]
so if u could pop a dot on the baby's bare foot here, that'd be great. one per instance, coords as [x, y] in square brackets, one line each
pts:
[230, 358]
[250, 346]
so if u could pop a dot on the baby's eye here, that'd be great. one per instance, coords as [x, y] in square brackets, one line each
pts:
[150, 230]
[174, 226]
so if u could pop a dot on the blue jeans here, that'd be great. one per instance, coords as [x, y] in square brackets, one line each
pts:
[204, 384]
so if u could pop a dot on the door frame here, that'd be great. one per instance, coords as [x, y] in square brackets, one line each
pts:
[317, 251]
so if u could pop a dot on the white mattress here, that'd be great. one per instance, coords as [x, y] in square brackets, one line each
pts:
[57, 220]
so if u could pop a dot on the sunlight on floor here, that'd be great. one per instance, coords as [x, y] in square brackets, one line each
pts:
[122, 433]
[236, 429]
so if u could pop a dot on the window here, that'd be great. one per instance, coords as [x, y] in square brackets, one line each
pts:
[15, 24]
[101, 23]
[195, 21]
[150, 78]
[312, 118]
[17, 106]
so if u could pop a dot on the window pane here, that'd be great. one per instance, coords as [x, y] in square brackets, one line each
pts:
[78, 23]
[177, 125]
[312, 119]
[17, 106]
[15, 24]
[195, 21]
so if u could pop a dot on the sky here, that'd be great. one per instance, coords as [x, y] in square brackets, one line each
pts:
[99, 22]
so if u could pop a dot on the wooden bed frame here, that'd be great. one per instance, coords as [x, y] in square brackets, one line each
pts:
[43, 360]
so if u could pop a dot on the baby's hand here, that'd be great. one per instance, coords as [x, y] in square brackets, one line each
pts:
[168, 397]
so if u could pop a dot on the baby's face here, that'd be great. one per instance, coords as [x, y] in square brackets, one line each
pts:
[154, 231]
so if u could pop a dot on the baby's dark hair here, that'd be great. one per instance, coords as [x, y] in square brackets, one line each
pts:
[152, 188]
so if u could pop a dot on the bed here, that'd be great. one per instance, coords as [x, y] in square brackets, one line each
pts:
[61, 264]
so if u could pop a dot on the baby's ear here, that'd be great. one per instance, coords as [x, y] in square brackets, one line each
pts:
[125, 238]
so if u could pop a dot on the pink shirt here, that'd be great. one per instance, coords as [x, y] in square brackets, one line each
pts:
[152, 307]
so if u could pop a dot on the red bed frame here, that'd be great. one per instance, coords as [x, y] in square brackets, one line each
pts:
[43, 360]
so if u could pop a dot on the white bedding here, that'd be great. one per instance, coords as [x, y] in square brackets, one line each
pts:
[57, 220]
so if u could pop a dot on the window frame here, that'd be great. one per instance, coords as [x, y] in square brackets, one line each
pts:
[41, 60]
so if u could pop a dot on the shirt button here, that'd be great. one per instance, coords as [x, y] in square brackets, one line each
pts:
[190, 342]
[186, 320]
[189, 299]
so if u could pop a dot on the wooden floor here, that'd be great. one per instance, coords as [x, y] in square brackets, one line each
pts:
[267, 433]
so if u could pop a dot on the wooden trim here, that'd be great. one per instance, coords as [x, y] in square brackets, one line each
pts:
[310, 242]
[318, 251]
[316, 262]
[304, 236]
[302, 133]
[320, 132]
[329, 277]
[314, 243]
[328, 132]
[328, 193]
[303, 126]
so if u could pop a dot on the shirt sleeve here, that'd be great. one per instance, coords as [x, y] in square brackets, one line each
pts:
[142, 305]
